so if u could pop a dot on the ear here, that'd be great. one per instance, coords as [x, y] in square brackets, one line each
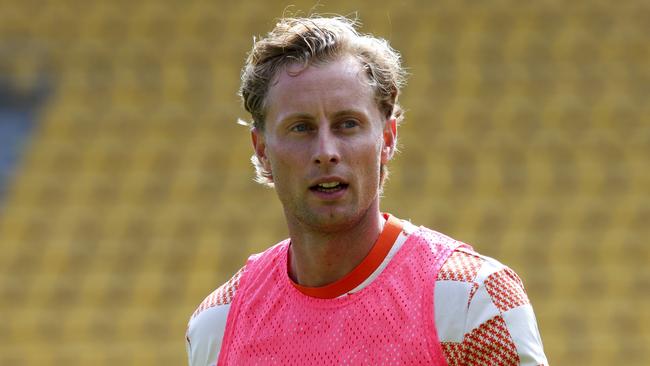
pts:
[259, 146]
[390, 140]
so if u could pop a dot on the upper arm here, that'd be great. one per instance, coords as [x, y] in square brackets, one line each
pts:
[205, 334]
[496, 324]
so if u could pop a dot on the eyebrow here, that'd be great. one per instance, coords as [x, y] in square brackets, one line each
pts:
[297, 116]
[345, 112]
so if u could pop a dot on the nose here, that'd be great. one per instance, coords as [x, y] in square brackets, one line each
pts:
[326, 149]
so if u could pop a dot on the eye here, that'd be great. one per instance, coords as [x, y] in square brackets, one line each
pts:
[300, 127]
[349, 123]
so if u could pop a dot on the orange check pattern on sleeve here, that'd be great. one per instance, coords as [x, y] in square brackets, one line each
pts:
[491, 342]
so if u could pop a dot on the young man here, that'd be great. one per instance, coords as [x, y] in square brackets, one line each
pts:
[351, 285]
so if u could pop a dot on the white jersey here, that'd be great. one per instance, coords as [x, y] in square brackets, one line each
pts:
[482, 313]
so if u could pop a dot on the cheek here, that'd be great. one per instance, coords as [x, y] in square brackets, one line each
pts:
[368, 158]
[284, 158]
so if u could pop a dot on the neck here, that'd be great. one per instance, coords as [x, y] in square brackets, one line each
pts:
[318, 259]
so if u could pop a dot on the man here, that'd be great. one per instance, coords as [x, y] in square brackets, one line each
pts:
[351, 285]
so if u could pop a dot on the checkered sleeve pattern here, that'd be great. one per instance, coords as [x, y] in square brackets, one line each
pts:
[498, 324]
[221, 296]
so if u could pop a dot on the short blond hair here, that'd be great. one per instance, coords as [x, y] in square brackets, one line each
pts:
[317, 40]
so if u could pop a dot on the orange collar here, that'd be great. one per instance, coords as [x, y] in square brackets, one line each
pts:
[392, 229]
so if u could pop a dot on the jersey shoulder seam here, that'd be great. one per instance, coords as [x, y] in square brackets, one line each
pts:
[222, 295]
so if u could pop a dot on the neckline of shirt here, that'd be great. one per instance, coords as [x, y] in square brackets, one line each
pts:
[363, 271]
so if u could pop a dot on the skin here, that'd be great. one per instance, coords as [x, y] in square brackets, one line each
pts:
[323, 124]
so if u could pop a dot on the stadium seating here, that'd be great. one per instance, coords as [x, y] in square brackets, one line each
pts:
[526, 135]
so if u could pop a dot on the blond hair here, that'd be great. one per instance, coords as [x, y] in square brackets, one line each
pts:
[317, 40]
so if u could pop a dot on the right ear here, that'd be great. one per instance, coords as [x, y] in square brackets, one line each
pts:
[259, 145]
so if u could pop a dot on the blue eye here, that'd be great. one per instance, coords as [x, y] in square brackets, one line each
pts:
[300, 127]
[350, 123]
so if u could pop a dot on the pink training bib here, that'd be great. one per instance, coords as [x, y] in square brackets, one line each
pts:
[389, 322]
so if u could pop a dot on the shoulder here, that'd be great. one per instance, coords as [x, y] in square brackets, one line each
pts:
[207, 324]
[485, 282]
[467, 269]
[456, 286]
[482, 310]
[222, 295]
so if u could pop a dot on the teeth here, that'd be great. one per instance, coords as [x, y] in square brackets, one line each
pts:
[329, 184]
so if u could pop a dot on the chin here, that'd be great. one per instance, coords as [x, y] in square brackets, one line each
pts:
[332, 219]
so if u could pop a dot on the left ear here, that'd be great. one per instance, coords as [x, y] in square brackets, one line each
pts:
[390, 140]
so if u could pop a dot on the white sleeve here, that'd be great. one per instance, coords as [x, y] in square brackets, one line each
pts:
[482, 313]
[208, 323]
[205, 334]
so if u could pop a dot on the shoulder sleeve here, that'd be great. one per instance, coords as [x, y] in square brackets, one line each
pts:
[207, 325]
[483, 314]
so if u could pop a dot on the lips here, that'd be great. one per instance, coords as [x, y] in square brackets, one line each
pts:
[329, 187]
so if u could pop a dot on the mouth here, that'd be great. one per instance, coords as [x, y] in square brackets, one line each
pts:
[329, 187]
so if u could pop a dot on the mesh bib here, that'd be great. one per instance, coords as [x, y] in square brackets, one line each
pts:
[389, 322]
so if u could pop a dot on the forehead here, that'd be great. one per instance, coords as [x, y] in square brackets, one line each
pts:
[328, 87]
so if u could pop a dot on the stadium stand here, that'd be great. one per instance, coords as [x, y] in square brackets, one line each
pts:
[527, 135]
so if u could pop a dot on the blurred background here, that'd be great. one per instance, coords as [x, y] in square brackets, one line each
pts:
[126, 192]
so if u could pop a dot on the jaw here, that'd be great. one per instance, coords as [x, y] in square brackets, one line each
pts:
[330, 217]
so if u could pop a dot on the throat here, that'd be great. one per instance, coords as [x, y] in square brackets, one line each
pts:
[317, 261]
